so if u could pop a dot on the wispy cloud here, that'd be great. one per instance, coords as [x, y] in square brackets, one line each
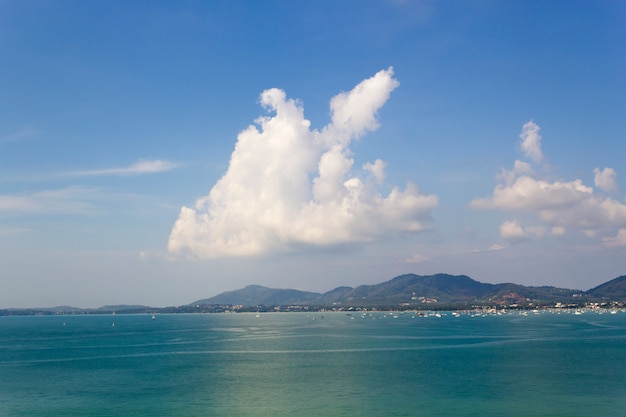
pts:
[288, 186]
[14, 231]
[618, 240]
[65, 200]
[75, 200]
[143, 166]
[21, 134]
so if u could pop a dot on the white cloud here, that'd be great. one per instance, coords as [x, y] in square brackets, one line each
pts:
[519, 168]
[531, 195]
[354, 112]
[288, 186]
[605, 179]
[560, 205]
[415, 259]
[377, 169]
[143, 166]
[531, 141]
[512, 231]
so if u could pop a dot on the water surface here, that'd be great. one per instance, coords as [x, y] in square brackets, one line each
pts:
[298, 364]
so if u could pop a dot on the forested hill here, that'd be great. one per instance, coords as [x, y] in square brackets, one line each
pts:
[404, 291]
[419, 289]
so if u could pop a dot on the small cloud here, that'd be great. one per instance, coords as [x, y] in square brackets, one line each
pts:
[529, 194]
[519, 168]
[512, 231]
[21, 134]
[144, 255]
[496, 247]
[415, 259]
[605, 179]
[143, 166]
[557, 231]
[288, 186]
[617, 240]
[377, 169]
[531, 141]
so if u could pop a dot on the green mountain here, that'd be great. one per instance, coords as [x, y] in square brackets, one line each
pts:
[610, 289]
[411, 289]
[416, 288]
[254, 295]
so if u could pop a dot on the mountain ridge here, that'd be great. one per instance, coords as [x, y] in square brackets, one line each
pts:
[404, 291]
[412, 289]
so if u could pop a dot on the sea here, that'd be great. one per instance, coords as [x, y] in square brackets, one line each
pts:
[315, 364]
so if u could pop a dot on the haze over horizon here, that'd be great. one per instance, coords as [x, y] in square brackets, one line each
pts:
[162, 152]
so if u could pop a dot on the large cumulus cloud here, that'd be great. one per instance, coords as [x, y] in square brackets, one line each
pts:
[555, 205]
[289, 186]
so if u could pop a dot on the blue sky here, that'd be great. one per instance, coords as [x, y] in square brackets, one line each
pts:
[157, 152]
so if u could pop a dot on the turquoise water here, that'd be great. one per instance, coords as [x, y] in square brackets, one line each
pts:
[297, 364]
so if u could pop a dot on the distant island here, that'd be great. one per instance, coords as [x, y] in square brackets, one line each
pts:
[404, 292]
